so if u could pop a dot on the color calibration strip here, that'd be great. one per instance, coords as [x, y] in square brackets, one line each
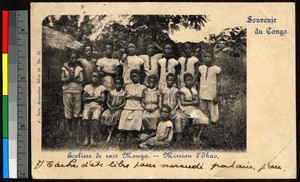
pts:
[5, 18]
[12, 94]
[15, 93]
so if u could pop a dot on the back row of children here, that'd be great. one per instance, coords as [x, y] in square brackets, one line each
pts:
[153, 94]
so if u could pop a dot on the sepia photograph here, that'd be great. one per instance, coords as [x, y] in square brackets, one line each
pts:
[141, 82]
[160, 90]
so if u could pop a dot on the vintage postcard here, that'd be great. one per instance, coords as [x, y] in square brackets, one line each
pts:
[163, 90]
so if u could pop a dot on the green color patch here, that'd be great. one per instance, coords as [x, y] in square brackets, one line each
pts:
[5, 116]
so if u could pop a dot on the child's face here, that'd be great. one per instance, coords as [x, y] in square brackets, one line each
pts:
[189, 81]
[88, 51]
[131, 48]
[187, 48]
[207, 57]
[150, 49]
[164, 113]
[170, 81]
[152, 83]
[122, 50]
[168, 49]
[135, 77]
[108, 50]
[118, 85]
[95, 78]
[73, 58]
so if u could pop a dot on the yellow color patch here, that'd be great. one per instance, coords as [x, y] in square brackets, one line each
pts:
[4, 74]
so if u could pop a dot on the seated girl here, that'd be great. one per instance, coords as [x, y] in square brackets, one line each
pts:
[189, 102]
[164, 133]
[115, 103]
[150, 103]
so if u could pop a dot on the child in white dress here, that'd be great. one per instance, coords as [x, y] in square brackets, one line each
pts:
[189, 102]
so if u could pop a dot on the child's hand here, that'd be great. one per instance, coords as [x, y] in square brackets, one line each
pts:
[124, 57]
[71, 76]
[194, 97]
[143, 140]
[216, 100]
[113, 109]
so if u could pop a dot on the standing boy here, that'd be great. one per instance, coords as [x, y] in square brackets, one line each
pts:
[210, 86]
[72, 78]
[88, 64]
[131, 62]
[188, 63]
[108, 68]
[150, 62]
[167, 65]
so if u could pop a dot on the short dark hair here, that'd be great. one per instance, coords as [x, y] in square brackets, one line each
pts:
[121, 79]
[108, 44]
[186, 75]
[99, 75]
[210, 51]
[135, 71]
[166, 106]
[154, 77]
[88, 45]
[187, 43]
[73, 52]
[168, 43]
[131, 43]
[171, 75]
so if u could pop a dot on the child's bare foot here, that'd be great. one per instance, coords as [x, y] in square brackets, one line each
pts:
[93, 142]
[107, 140]
[86, 141]
[201, 142]
[197, 141]
[144, 146]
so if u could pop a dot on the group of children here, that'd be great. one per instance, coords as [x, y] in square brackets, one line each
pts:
[149, 98]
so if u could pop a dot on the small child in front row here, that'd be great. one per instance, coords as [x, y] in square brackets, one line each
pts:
[151, 103]
[115, 103]
[93, 98]
[189, 102]
[164, 133]
[170, 97]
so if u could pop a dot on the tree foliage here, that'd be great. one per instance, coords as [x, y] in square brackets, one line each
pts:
[153, 28]
[230, 40]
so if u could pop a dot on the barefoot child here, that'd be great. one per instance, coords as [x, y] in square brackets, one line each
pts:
[72, 78]
[115, 103]
[170, 97]
[166, 65]
[108, 67]
[93, 98]
[131, 116]
[164, 133]
[210, 86]
[150, 103]
[189, 101]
